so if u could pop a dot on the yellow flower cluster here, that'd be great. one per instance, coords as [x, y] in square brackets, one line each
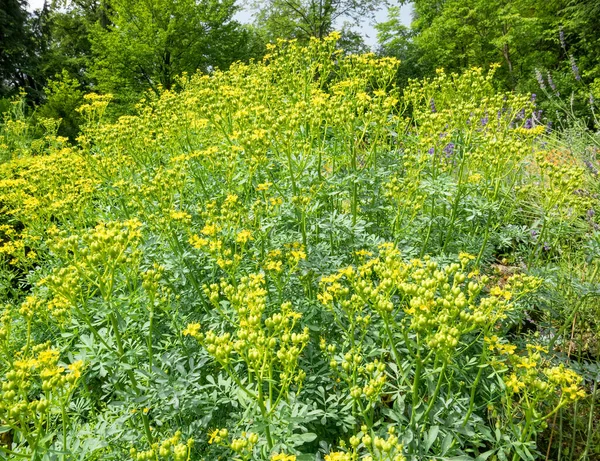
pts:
[168, 449]
[374, 448]
[283, 457]
[365, 380]
[530, 376]
[441, 303]
[268, 346]
[35, 368]
[93, 258]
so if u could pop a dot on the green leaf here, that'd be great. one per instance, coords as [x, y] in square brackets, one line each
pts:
[447, 443]
[431, 436]
[484, 456]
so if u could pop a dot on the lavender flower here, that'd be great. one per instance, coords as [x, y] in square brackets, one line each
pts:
[591, 213]
[590, 166]
[561, 36]
[592, 100]
[432, 104]
[551, 82]
[574, 68]
[546, 246]
[534, 233]
[540, 79]
[431, 151]
[484, 121]
[528, 124]
[533, 97]
[549, 127]
[449, 149]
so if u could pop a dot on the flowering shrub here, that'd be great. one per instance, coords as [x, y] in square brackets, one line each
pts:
[294, 259]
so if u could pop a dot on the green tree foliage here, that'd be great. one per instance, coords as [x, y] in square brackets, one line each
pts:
[582, 34]
[63, 97]
[67, 27]
[397, 40]
[458, 34]
[520, 35]
[303, 19]
[16, 47]
[147, 44]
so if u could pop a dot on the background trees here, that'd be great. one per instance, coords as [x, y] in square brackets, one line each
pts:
[122, 47]
[17, 44]
[303, 19]
[147, 44]
[520, 35]
[126, 47]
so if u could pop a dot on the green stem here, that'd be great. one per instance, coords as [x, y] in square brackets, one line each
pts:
[394, 350]
[474, 387]
[415, 388]
[590, 420]
[263, 410]
[64, 431]
[437, 390]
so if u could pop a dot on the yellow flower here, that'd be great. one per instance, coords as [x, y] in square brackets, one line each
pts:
[214, 437]
[180, 216]
[475, 178]
[198, 242]
[507, 349]
[210, 229]
[217, 435]
[263, 187]
[337, 456]
[243, 236]
[283, 457]
[75, 368]
[514, 384]
[192, 330]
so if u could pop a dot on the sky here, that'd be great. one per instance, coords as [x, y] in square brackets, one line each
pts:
[366, 27]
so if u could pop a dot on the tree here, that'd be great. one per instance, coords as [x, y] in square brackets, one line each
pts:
[147, 43]
[63, 96]
[521, 35]
[66, 26]
[397, 40]
[457, 34]
[303, 19]
[16, 48]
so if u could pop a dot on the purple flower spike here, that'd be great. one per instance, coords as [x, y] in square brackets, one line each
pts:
[484, 121]
[590, 166]
[540, 79]
[431, 151]
[551, 82]
[432, 104]
[449, 149]
[528, 124]
[574, 68]
[561, 36]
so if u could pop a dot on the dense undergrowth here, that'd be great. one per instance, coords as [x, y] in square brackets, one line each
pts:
[296, 260]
